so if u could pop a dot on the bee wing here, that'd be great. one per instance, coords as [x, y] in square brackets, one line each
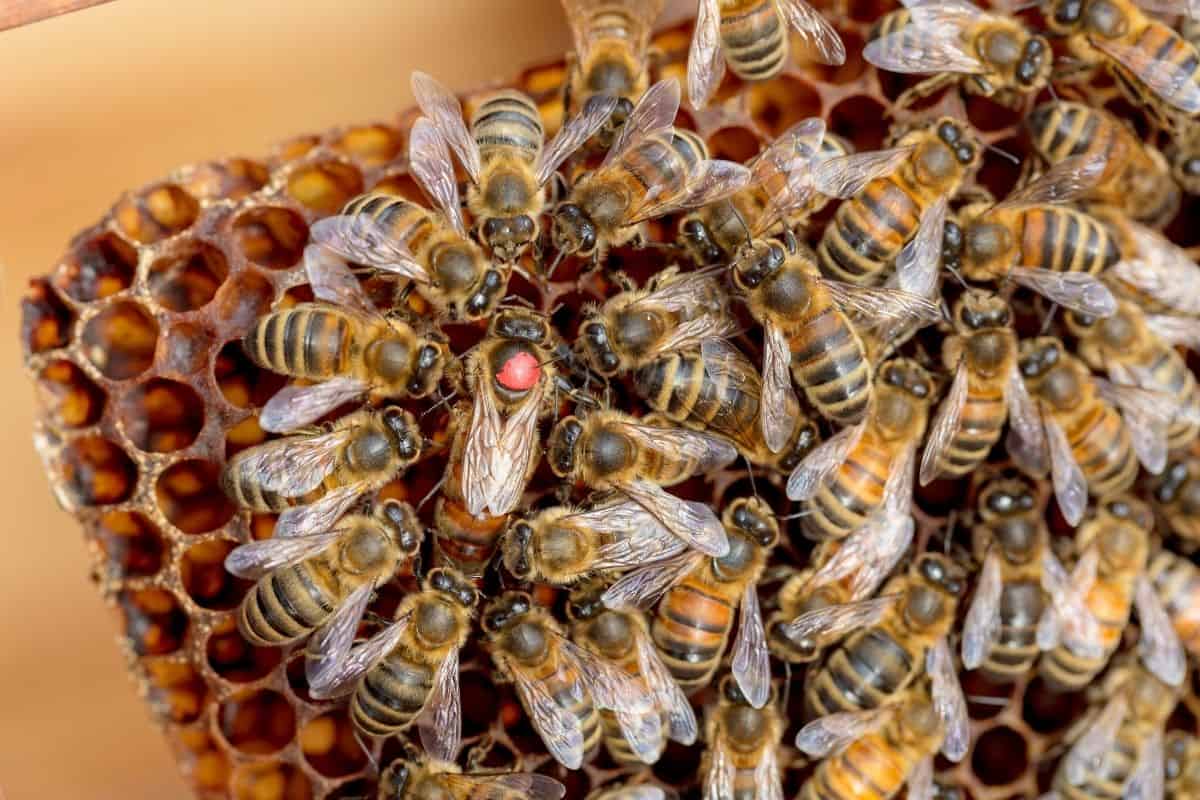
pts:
[832, 733]
[1070, 487]
[810, 473]
[441, 106]
[1148, 778]
[511, 785]
[948, 700]
[1077, 291]
[430, 163]
[751, 659]
[643, 733]
[706, 64]
[779, 402]
[793, 151]
[440, 722]
[1026, 440]
[670, 699]
[511, 462]
[689, 294]
[876, 304]
[697, 331]
[296, 406]
[1064, 182]
[710, 452]
[256, 559]
[295, 465]
[718, 781]
[360, 239]
[559, 728]
[641, 587]
[1159, 645]
[694, 523]
[481, 445]
[768, 779]
[920, 259]
[885, 541]
[496, 454]
[945, 426]
[612, 687]
[334, 678]
[1147, 415]
[636, 793]
[923, 49]
[574, 132]
[709, 181]
[638, 545]
[845, 176]
[655, 111]
[330, 278]
[1161, 269]
[1067, 618]
[1097, 740]
[982, 625]
[832, 622]
[818, 35]
[920, 780]
[1171, 82]
[1176, 331]
[330, 646]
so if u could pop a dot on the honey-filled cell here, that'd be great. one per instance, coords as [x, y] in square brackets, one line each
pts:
[257, 722]
[70, 398]
[324, 187]
[133, 546]
[156, 213]
[155, 622]
[120, 340]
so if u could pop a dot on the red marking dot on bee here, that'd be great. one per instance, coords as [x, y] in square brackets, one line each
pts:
[520, 373]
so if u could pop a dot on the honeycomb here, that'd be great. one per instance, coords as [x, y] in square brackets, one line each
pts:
[132, 340]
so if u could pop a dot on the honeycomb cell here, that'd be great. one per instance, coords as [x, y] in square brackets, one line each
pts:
[401, 185]
[189, 495]
[324, 187]
[330, 747]
[156, 213]
[1000, 756]
[162, 415]
[257, 722]
[188, 278]
[45, 319]
[241, 301]
[780, 103]
[69, 397]
[177, 691]
[735, 143]
[96, 267]
[96, 472]
[270, 236]
[210, 771]
[184, 349]
[296, 148]
[1046, 710]
[245, 434]
[374, 145]
[133, 546]
[242, 382]
[235, 659]
[120, 340]
[862, 120]
[984, 698]
[155, 623]
[233, 178]
[202, 570]
[270, 782]
[854, 66]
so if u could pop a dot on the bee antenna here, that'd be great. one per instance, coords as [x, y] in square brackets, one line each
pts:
[548, 275]
[745, 228]
[436, 487]
[799, 514]
[1050, 89]
[1003, 154]
[367, 752]
[957, 276]
[750, 475]
[1049, 318]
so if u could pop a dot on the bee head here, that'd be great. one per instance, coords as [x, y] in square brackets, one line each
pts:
[1005, 497]
[1105, 18]
[573, 231]
[515, 550]
[560, 448]
[908, 376]
[1178, 486]
[1130, 509]
[1037, 60]
[454, 585]
[505, 611]
[507, 237]
[596, 345]
[405, 432]
[751, 516]
[696, 239]
[393, 782]
[978, 310]
[1117, 331]
[756, 262]
[940, 572]
[401, 521]
[585, 601]
[1063, 16]
[487, 295]
[1039, 356]
[952, 244]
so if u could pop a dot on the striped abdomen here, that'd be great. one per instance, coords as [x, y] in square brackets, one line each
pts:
[245, 488]
[391, 694]
[401, 219]
[309, 341]
[289, 603]
[1166, 372]
[562, 680]
[829, 360]
[865, 672]
[663, 469]
[1015, 648]
[1157, 43]
[754, 38]
[663, 160]
[868, 231]
[1105, 779]
[463, 541]
[979, 426]
[1110, 601]
[853, 491]
[871, 768]
[1064, 240]
[1062, 130]
[1101, 445]
[1177, 582]
[508, 122]
[690, 630]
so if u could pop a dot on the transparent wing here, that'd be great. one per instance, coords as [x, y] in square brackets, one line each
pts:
[328, 275]
[1068, 618]
[1077, 291]
[643, 733]
[655, 111]
[442, 107]
[526, 785]
[641, 587]
[706, 64]
[751, 659]
[1175, 330]
[696, 331]
[922, 49]
[948, 700]
[296, 406]
[1148, 778]
[574, 132]
[1026, 441]
[898, 490]
[846, 176]
[1097, 741]
[696, 524]
[635, 793]
[256, 559]
[482, 442]
[362, 240]
[708, 451]
[832, 622]
[949, 13]
[296, 465]
[670, 699]
[819, 36]
[440, 721]
[1170, 81]
[559, 728]
[642, 540]
[611, 687]
[1161, 269]
[618, 518]
[718, 781]
[1064, 182]
[886, 539]
[318, 516]
[330, 646]
[768, 779]
[333, 679]
[982, 625]
[876, 304]
[710, 181]
[689, 294]
[945, 425]
[1070, 487]
[827, 735]
[794, 150]
[510, 462]
[1159, 645]
[810, 473]
[779, 402]
[1147, 415]
[920, 259]
[430, 163]
[920, 780]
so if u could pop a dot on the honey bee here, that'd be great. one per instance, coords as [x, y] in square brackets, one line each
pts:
[1156, 274]
[1136, 178]
[742, 759]
[609, 450]
[1177, 581]
[505, 156]
[890, 204]
[407, 673]
[313, 478]
[348, 346]
[307, 582]
[562, 686]
[701, 594]
[987, 54]
[1183, 154]
[754, 38]
[652, 169]
[866, 467]
[1152, 63]
[1111, 578]
[622, 638]
[430, 779]
[611, 38]
[432, 250]
[670, 334]
[1177, 498]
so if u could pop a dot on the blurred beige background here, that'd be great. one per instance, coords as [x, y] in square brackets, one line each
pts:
[107, 99]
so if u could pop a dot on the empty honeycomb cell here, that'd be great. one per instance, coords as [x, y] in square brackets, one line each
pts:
[242, 382]
[96, 267]
[189, 277]
[735, 143]
[45, 319]
[235, 659]
[272, 237]
[854, 66]
[190, 497]
[242, 300]
[162, 415]
[479, 702]
[96, 472]
[257, 722]
[401, 185]
[68, 395]
[330, 747]
[270, 782]
[133, 546]
[184, 348]
[156, 213]
[296, 148]
[324, 187]
[781, 102]
[245, 434]
[374, 145]
[984, 698]
[576, 780]
[177, 691]
[1048, 711]
[202, 570]
[120, 340]
[233, 178]
[210, 771]
[1000, 756]
[862, 120]
[155, 623]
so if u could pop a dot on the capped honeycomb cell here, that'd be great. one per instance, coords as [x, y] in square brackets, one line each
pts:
[120, 340]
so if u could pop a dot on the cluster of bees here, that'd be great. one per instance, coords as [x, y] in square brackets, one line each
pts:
[1059, 309]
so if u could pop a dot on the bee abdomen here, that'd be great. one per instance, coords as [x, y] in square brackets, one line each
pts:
[869, 769]
[283, 607]
[869, 669]
[1066, 240]
[868, 232]
[755, 41]
[463, 541]
[679, 386]
[690, 630]
[1015, 649]
[508, 120]
[855, 491]
[1104, 450]
[979, 429]
[390, 696]
[829, 361]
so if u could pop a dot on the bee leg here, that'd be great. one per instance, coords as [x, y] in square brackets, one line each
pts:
[926, 88]
[479, 752]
